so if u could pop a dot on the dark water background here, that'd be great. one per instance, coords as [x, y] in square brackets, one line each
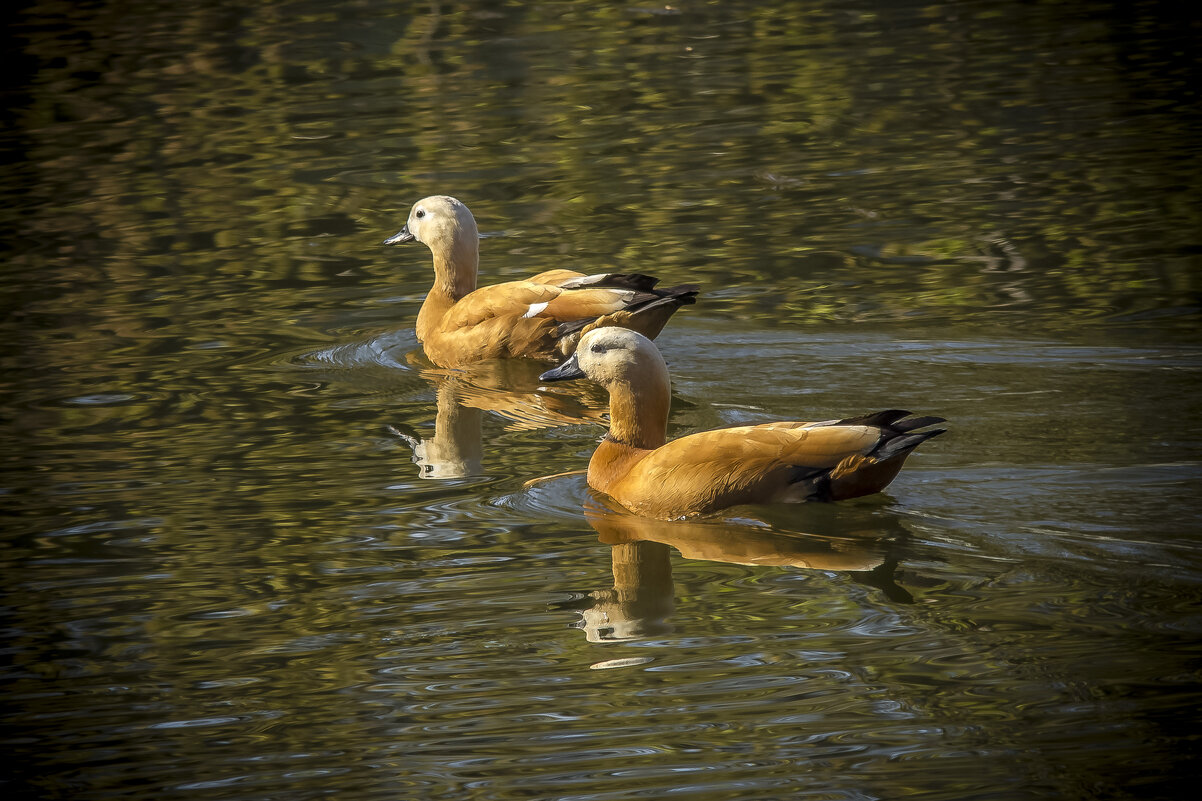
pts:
[226, 578]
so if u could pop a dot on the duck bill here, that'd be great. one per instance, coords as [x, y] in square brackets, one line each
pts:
[400, 237]
[567, 371]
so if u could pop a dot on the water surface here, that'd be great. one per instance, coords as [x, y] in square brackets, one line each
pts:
[257, 547]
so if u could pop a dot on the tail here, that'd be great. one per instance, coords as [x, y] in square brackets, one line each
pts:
[647, 313]
[871, 472]
[899, 445]
[898, 435]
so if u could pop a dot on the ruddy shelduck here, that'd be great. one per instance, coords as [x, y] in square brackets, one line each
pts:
[541, 317]
[708, 472]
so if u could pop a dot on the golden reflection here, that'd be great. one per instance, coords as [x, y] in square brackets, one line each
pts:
[507, 388]
[641, 601]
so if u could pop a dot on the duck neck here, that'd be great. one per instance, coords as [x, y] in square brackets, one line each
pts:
[638, 415]
[455, 268]
[454, 277]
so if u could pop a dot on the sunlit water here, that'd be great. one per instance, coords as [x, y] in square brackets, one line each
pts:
[257, 547]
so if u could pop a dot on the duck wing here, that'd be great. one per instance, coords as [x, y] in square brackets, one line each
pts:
[531, 319]
[776, 462]
[575, 301]
[709, 471]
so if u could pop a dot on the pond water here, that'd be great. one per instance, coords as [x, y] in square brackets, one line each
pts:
[228, 577]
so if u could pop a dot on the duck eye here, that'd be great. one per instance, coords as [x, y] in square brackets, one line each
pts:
[419, 213]
[597, 348]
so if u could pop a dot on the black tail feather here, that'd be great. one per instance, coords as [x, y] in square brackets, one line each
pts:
[897, 445]
[917, 422]
[897, 434]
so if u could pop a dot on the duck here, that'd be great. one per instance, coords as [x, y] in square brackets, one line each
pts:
[710, 471]
[542, 317]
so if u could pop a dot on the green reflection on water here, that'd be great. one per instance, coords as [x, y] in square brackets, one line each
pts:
[817, 164]
[230, 579]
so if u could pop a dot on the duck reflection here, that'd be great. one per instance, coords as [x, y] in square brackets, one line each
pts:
[456, 450]
[506, 388]
[642, 599]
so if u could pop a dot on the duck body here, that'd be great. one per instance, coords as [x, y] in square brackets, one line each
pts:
[542, 317]
[707, 472]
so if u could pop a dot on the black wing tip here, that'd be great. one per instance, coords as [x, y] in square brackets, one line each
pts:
[571, 326]
[893, 420]
[884, 419]
[676, 296]
[685, 293]
[818, 479]
[639, 282]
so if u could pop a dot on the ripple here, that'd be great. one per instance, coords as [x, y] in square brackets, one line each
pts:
[102, 399]
[390, 349]
[561, 497]
[228, 579]
[625, 662]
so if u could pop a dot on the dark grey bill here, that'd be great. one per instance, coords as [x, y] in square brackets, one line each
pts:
[400, 236]
[564, 372]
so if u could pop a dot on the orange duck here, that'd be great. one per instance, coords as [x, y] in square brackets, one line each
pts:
[707, 472]
[541, 317]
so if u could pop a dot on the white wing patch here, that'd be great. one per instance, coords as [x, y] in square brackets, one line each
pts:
[535, 309]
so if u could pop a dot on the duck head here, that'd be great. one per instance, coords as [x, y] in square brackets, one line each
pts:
[632, 370]
[447, 227]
